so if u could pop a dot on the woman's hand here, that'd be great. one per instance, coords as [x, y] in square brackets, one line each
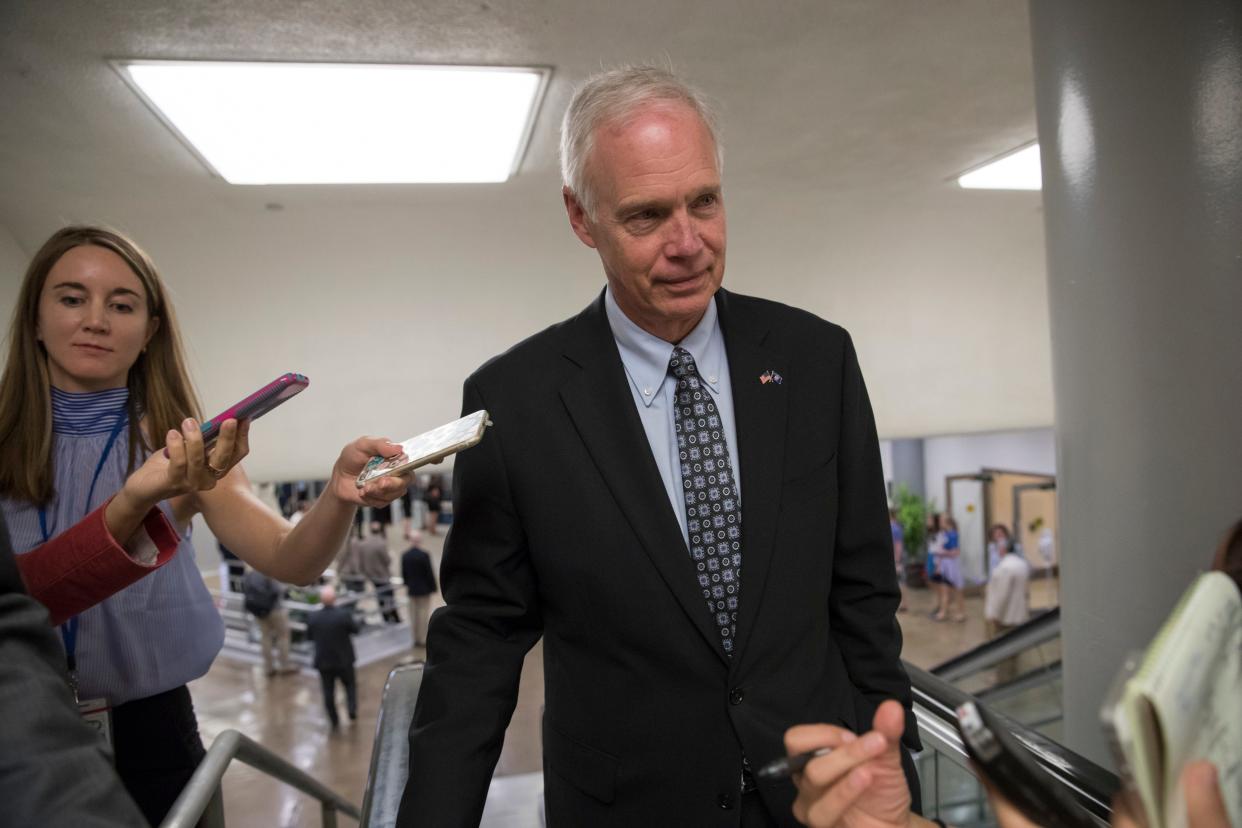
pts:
[188, 467]
[349, 465]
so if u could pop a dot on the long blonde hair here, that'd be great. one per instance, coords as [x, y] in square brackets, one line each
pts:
[160, 392]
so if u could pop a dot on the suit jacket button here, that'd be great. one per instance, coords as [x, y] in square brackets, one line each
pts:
[725, 801]
[736, 695]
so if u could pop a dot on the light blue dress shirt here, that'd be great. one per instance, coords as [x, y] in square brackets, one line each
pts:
[645, 358]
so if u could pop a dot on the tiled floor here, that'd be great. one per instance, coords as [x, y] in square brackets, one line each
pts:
[285, 714]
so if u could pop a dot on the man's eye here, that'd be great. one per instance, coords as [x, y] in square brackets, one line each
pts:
[708, 200]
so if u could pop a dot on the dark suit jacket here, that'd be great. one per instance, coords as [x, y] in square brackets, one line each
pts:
[416, 572]
[562, 528]
[330, 628]
[53, 770]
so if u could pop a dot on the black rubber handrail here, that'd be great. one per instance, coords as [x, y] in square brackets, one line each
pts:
[1042, 628]
[1091, 785]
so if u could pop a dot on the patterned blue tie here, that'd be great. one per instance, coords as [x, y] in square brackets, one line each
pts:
[713, 508]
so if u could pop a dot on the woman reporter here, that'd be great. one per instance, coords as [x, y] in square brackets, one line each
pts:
[95, 381]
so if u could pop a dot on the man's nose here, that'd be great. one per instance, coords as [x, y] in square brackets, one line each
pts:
[685, 240]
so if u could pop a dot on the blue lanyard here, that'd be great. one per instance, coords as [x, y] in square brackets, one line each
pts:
[69, 630]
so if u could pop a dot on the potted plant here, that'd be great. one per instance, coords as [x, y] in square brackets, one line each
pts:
[912, 515]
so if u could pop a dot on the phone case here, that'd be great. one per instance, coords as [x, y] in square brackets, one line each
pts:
[428, 447]
[1011, 768]
[257, 404]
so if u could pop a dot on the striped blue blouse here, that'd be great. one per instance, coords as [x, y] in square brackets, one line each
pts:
[161, 631]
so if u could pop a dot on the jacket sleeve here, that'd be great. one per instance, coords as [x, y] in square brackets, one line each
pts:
[83, 565]
[53, 770]
[865, 594]
[476, 642]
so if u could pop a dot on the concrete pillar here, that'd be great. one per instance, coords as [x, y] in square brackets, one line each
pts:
[1140, 126]
[908, 465]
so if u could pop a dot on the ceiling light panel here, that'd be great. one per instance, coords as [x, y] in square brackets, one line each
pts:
[298, 123]
[1018, 170]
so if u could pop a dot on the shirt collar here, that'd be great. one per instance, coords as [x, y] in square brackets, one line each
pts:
[645, 356]
[86, 413]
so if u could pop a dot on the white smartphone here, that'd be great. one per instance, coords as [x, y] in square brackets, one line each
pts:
[429, 447]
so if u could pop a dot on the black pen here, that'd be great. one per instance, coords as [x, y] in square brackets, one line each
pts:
[787, 766]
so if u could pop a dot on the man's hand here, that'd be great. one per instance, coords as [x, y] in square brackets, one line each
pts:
[860, 784]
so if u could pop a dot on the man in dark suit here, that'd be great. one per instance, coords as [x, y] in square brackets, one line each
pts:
[682, 494]
[330, 628]
[420, 584]
[53, 769]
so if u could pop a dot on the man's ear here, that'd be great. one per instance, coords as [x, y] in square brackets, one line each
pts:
[578, 218]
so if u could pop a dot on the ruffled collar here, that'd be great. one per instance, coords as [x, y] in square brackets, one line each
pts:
[87, 413]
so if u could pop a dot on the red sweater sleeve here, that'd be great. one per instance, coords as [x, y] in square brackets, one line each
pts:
[83, 565]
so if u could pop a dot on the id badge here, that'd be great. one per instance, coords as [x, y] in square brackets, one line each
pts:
[97, 715]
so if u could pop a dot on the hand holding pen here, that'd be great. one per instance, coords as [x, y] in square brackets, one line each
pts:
[788, 766]
[845, 776]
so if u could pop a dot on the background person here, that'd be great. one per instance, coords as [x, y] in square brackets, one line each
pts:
[433, 501]
[952, 604]
[95, 361]
[420, 585]
[1008, 600]
[264, 599]
[377, 567]
[899, 554]
[330, 629]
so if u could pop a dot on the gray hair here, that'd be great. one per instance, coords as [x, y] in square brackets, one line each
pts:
[612, 96]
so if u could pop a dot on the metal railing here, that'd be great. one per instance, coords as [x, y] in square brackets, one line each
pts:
[202, 797]
[390, 755]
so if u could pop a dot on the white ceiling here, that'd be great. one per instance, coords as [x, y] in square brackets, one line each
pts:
[844, 123]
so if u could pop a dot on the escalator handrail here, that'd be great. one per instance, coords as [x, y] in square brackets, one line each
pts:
[1031, 679]
[1043, 627]
[935, 701]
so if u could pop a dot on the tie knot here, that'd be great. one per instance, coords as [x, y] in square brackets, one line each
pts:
[682, 364]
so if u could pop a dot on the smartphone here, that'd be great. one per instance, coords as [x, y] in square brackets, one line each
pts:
[254, 406]
[428, 447]
[1011, 768]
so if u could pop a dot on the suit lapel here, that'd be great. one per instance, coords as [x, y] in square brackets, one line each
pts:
[602, 408]
[760, 410]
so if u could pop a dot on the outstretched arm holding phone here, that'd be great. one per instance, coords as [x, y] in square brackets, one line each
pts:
[268, 542]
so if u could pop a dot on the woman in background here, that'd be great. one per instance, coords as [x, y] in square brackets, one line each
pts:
[949, 561]
[96, 381]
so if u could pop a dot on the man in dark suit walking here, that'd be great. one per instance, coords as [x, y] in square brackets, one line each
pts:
[682, 495]
[420, 585]
[330, 628]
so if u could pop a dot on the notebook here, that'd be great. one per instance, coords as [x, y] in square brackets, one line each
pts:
[1182, 701]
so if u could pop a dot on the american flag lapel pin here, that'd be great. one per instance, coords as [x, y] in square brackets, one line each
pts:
[770, 376]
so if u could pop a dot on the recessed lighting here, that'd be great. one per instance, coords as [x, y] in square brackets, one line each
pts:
[319, 123]
[1017, 170]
